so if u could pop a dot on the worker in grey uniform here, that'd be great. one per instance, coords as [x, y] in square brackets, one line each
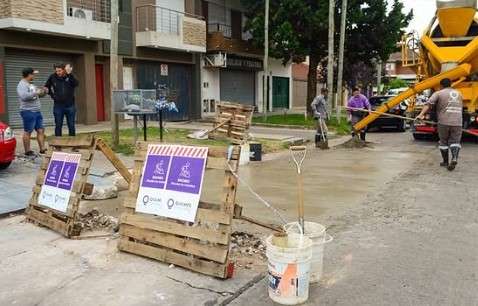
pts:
[448, 104]
[319, 107]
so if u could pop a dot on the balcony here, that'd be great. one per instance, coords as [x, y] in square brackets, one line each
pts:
[220, 39]
[80, 18]
[159, 27]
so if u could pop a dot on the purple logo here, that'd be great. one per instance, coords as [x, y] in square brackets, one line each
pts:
[156, 171]
[53, 173]
[67, 176]
[186, 174]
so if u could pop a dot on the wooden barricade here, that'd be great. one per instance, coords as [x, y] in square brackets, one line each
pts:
[61, 222]
[238, 118]
[202, 246]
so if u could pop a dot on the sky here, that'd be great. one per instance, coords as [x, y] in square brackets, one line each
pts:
[423, 10]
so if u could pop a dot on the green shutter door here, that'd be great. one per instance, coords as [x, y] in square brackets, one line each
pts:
[280, 92]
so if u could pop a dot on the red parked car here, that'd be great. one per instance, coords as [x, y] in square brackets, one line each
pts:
[8, 144]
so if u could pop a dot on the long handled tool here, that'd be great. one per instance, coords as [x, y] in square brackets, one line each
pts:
[203, 134]
[405, 118]
[325, 141]
[298, 155]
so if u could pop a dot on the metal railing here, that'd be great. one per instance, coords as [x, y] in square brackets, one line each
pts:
[160, 19]
[95, 10]
[225, 29]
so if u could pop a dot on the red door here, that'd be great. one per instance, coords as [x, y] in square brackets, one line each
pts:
[100, 93]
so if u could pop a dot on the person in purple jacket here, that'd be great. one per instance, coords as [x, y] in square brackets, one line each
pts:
[358, 101]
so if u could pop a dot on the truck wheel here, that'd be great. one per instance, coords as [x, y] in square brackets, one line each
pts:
[4, 166]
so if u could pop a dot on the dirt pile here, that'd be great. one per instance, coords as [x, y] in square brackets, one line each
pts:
[355, 143]
[95, 220]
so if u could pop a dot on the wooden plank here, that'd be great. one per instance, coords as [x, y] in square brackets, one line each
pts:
[216, 253]
[220, 235]
[77, 141]
[216, 163]
[113, 158]
[185, 261]
[212, 215]
[48, 221]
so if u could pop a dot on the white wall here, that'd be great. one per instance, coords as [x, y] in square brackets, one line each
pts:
[210, 78]
[275, 69]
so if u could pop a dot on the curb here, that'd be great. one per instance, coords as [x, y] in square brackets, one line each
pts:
[283, 126]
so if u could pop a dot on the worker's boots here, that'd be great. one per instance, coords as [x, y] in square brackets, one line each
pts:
[455, 150]
[321, 142]
[444, 154]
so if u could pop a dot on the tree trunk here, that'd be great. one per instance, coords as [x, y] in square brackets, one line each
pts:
[312, 80]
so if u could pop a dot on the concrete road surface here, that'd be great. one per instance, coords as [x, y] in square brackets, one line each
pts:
[410, 240]
[404, 229]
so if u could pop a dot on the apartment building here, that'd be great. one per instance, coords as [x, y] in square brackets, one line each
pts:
[232, 68]
[160, 43]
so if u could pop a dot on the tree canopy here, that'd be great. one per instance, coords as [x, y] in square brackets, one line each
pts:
[299, 28]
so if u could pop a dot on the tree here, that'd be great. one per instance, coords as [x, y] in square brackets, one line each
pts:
[298, 28]
[397, 83]
[372, 35]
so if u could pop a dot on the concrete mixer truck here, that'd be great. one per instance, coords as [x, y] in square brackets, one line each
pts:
[448, 48]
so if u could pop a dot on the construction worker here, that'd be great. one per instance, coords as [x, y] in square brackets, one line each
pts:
[448, 104]
[355, 104]
[319, 107]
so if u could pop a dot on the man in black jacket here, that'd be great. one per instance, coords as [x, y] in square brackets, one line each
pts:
[61, 87]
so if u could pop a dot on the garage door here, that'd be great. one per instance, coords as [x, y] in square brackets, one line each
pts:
[15, 61]
[238, 86]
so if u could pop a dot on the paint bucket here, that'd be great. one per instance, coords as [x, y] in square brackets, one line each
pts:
[289, 269]
[316, 232]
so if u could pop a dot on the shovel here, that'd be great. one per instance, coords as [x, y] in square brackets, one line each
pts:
[204, 134]
[298, 155]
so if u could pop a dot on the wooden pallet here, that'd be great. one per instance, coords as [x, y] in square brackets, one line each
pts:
[63, 223]
[238, 118]
[202, 246]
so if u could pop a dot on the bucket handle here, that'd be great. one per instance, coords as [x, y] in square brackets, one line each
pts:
[328, 239]
[287, 228]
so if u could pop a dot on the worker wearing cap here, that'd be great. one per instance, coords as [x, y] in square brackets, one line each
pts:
[448, 104]
[358, 105]
[29, 98]
[319, 107]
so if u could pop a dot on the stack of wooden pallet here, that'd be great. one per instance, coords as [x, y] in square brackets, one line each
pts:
[235, 120]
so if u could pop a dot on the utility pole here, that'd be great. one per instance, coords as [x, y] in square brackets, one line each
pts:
[340, 76]
[265, 86]
[114, 69]
[379, 76]
[330, 63]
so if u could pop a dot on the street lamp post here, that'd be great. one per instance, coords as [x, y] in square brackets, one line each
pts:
[340, 75]
[265, 85]
[330, 63]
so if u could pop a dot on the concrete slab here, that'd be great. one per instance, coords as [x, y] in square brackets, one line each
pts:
[40, 267]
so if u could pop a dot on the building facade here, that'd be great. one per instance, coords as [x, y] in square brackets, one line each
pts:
[395, 70]
[160, 43]
[232, 68]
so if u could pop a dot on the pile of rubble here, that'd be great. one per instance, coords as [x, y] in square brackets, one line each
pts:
[247, 249]
[95, 220]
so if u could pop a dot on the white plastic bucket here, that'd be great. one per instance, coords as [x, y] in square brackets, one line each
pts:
[289, 269]
[316, 232]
